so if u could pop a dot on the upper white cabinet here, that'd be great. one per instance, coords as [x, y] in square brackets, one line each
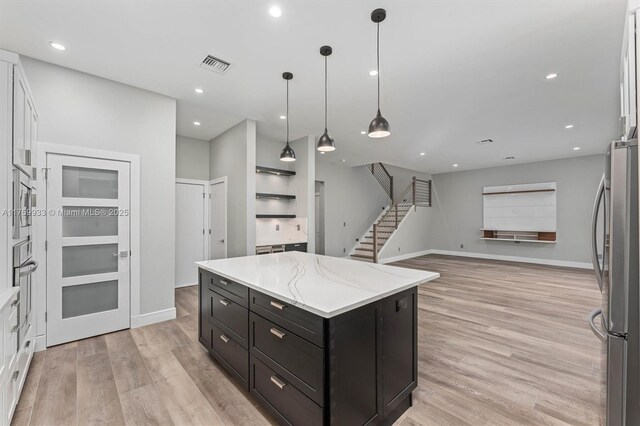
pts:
[628, 78]
[24, 123]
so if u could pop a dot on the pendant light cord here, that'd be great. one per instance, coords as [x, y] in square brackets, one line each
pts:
[378, 61]
[287, 112]
[325, 93]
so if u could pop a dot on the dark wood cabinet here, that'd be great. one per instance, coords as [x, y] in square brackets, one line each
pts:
[296, 247]
[356, 368]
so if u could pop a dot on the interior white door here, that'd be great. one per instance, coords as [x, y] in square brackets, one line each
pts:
[88, 271]
[190, 231]
[218, 221]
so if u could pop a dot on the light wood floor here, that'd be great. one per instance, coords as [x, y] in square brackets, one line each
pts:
[500, 344]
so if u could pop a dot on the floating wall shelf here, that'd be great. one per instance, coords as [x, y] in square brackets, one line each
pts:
[275, 216]
[272, 171]
[264, 195]
[519, 236]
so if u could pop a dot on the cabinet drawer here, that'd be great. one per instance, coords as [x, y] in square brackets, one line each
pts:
[305, 324]
[296, 360]
[230, 354]
[232, 317]
[232, 290]
[286, 402]
[296, 247]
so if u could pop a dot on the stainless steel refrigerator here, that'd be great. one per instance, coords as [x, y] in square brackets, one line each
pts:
[615, 260]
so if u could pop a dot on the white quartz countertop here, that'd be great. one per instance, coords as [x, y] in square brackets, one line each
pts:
[326, 286]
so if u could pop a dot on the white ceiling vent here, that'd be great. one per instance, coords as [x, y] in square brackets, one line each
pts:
[216, 65]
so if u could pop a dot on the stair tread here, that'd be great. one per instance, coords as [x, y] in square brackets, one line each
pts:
[362, 256]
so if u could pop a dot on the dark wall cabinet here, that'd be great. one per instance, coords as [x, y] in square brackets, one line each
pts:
[296, 247]
[357, 368]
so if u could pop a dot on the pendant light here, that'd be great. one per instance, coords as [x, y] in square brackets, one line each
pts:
[379, 127]
[326, 142]
[287, 153]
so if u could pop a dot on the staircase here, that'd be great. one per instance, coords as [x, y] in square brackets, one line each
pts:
[417, 194]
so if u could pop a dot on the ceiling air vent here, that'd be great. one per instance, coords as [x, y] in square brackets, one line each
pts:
[485, 141]
[216, 65]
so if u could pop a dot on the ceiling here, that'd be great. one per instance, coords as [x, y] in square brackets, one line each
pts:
[452, 71]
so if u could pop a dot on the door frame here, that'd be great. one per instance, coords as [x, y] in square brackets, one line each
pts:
[205, 185]
[216, 181]
[40, 225]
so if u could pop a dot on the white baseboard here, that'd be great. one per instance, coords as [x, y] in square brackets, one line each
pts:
[41, 343]
[136, 321]
[550, 262]
[404, 256]
[153, 317]
[185, 285]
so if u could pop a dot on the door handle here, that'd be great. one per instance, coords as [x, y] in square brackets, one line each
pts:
[594, 237]
[222, 240]
[34, 266]
[594, 328]
[123, 253]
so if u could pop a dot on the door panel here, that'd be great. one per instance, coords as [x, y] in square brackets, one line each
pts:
[218, 221]
[88, 270]
[190, 232]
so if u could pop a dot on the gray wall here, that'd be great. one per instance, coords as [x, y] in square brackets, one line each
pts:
[233, 154]
[353, 200]
[457, 201]
[84, 110]
[192, 158]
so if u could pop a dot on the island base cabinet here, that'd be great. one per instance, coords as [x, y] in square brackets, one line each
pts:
[356, 368]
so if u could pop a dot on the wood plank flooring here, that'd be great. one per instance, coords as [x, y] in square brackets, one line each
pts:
[499, 344]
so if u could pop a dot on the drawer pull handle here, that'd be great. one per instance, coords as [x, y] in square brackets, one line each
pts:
[279, 334]
[15, 375]
[279, 383]
[224, 338]
[277, 305]
[15, 303]
[224, 282]
[224, 302]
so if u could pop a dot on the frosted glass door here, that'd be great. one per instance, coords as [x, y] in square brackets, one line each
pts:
[88, 247]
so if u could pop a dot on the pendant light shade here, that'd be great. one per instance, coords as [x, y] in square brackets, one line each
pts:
[326, 142]
[287, 153]
[379, 127]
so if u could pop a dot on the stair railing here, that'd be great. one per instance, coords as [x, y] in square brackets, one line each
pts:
[417, 194]
[381, 174]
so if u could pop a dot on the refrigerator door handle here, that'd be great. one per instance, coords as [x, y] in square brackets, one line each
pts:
[592, 323]
[594, 230]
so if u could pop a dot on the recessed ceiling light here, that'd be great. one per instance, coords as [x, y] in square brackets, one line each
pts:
[576, 148]
[196, 123]
[423, 153]
[455, 165]
[275, 11]
[198, 90]
[57, 45]
[569, 126]
[510, 158]
[283, 117]
[551, 76]
[373, 73]
[363, 132]
[344, 161]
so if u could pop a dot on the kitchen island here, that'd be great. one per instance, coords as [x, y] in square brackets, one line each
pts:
[317, 340]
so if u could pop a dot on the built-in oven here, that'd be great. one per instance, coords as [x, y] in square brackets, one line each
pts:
[22, 205]
[23, 268]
